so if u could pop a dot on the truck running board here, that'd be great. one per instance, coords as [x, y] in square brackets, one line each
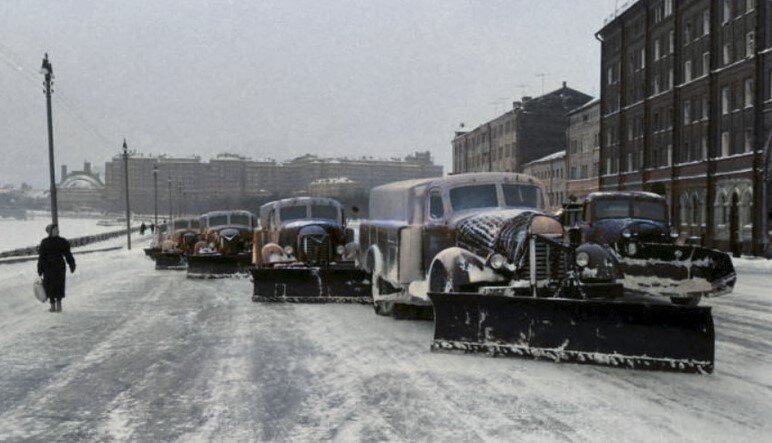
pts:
[614, 333]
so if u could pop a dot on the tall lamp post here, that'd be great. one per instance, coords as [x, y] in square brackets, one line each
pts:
[48, 72]
[179, 196]
[170, 206]
[126, 176]
[155, 196]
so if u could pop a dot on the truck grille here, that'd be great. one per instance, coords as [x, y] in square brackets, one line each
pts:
[550, 262]
[315, 249]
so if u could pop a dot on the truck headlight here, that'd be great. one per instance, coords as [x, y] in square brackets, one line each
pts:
[340, 249]
[582, 259]
[288, 250]
[632, 249]
[497, 261]
[673, 233]
[626, 233]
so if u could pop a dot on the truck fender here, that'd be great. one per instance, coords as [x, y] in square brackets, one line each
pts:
[453, 268]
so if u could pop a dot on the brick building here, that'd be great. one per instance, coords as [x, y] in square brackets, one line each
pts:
[583, 150]
[533, 128]
[686, 110]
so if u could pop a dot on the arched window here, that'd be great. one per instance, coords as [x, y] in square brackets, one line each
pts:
[721, 208]
[685, 210]
[746, 208]
[696, 210]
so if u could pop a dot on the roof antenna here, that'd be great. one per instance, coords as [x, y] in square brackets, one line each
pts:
[542, 75]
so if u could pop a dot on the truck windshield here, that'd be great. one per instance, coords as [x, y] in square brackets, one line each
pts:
[240, 219]
[473, 197]
[325, 212]
[292, 213]
[521, 196]
[194, 224]
[180, 224]
[627, 208]
[217, 220]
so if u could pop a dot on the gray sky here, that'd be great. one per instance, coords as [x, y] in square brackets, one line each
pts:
[276, 79]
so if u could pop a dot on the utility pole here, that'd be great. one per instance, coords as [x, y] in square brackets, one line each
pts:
[179, 197]
[126, 176]
[48, 73]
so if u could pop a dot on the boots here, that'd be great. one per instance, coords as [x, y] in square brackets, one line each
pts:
[53, 306]
[58, 305]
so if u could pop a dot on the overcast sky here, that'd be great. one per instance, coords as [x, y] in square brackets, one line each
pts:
[276, 79]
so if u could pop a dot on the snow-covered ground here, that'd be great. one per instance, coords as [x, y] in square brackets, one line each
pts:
[25, 233]
[144, 355]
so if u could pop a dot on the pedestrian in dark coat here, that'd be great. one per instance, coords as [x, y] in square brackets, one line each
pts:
[152, 228]
[142, 228]
[53, 252]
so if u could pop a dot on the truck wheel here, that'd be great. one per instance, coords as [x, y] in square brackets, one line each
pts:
[686, 301]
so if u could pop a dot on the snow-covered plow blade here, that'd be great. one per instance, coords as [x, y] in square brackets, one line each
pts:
[170, 261]
[302, 284]
[676, 270]
[152, 252]
[615, 333]
[218, 266]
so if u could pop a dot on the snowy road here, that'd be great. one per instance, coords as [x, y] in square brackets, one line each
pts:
[151, 356]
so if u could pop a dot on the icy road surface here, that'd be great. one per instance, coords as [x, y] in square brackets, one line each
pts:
[142, 355]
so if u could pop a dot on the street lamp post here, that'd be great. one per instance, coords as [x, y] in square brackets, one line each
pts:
[48, 72]
[170, 205]
[155, 196]
[126, 176]
[179, 196]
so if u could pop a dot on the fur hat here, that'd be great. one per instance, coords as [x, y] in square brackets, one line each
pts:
[50, 228]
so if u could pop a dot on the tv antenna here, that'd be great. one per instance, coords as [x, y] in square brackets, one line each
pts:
[543, 75]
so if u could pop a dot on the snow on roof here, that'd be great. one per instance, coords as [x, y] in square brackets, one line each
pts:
[553, 156]
[589, 104]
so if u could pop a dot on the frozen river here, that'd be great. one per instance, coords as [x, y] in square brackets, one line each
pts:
[143, 355]
[29, 232]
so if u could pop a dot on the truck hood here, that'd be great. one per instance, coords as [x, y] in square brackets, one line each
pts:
[501, 231]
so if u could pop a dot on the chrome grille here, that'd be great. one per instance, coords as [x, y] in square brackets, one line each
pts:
[550, 263]
[315, 249]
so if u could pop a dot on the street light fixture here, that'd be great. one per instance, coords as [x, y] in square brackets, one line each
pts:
[126, 176]
[48, 73]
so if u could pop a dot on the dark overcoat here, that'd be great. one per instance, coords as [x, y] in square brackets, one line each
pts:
[53, 252]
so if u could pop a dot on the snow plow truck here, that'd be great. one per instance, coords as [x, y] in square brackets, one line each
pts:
[304, 253]
[179, 244]
[503, 277]
[225, 247]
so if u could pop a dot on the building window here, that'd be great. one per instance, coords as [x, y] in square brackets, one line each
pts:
[669, 155]
[671, 42]
[655, 86]
[750, 43]
[706, 22]
[748, 92]
[670, 79]
[668, 7]
[727, 53]
[687, 70]
[643, 58]
[687, 34]
[704, 147]
[656, 49]
[727, 11]
[706, 63]
[610, 75]
[725, 100]
[750, 5]
[748, 145]
[687, 111]
[725, 143]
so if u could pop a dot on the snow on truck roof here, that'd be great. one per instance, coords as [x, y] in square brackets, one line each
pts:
[295, 201]
[627, 194]
[403, 200]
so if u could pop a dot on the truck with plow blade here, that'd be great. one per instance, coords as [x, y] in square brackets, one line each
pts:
[303, 253]
[178, 244]
[503, 277]
[653, 260]
[225, 247]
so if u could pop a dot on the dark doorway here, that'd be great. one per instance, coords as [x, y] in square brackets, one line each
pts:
[735, 240]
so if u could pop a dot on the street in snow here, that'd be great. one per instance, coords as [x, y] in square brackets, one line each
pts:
[144, 355]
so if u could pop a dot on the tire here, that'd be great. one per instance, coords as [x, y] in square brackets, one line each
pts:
[686, 301]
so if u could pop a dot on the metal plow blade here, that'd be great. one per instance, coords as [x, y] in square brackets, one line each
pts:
[170, 261]
[218, 266]
[623, 334]
[678, 271]
[311, 285]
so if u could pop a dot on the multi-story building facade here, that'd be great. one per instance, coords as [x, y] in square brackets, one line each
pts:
[188, 185]
[551, 171]
[686, 111]
[535, 127]
[583, 150]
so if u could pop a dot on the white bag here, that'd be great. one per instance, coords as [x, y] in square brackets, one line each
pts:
[39, 290]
